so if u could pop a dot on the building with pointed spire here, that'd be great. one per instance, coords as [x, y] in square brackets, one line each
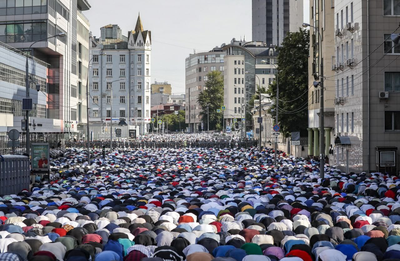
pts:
[120, 79]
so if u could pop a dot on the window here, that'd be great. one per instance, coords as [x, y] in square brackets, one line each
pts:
[109, 86]
[337, 123]
[199, 69]
[139, 71]
[312, 97]
[263, 80]
[122, 72]
[352, 122]
[352, 85]
[235, 71]
[122, 58]
[235, 62]
[95, 99]
[122, 86]
[95, 113]
[238, 109]
[109, 58]
[347, 50]
[391, 7]
[95, 72]
[147, 72]
[108, 99]
[121, 99]
[147, 86]
[337, 88]
[347, 122]
[235, 81]
[171, 108]
[342, 87]
[95, 86]
[139, 85]
[235, 100]
[341, 19]
[109, 72]
[213, 68]
[392, 120]
[139, 99]
[342, 122]
[347, 86]
[95, 58]
[352, 48]
[392, 81]
[108, 113]
[139, 58]
[121, 113]
[337, 20]
[148, 100]
[221, 68]
[351, 13]
[147, 113]
[242, 90]
[204, 69]
[242, 80]
[347, 14]
[234, 90]
[139, 113]
[147, 58]
[199, 78]
[389, 46]
[235, 110]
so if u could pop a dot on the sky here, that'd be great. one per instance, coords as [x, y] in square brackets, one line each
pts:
[178, 28]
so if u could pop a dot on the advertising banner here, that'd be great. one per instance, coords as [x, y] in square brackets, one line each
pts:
[40, 157]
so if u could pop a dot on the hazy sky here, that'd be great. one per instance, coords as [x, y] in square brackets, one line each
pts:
[178, 28]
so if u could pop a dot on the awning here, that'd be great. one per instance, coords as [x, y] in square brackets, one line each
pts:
[346, 140]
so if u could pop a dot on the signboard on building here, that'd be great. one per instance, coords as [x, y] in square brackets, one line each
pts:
[40, 157]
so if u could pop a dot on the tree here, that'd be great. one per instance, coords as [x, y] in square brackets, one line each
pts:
[293, 83]
[211, 99]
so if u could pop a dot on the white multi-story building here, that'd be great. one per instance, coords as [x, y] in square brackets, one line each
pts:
[120, 77]
[247, 65]
[29, 26]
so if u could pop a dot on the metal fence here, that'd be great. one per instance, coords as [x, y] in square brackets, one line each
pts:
[165, 144]
[52, 139]
[14, 174]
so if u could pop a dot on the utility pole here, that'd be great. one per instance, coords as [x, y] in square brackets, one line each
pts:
[259, 118]
[208, 117]
[276, 118]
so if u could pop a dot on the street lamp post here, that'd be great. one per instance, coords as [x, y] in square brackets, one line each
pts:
[27, 85]
[321, 110]
[111, 121]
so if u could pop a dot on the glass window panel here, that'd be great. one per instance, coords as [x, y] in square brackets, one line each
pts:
[396, 120]
[36, 10]
[387, 7]
[3, 11]
[11, 11]
[388, 120]
[28, 3]
[43, 9]
[10, 3]
[3, 38]
[36, 2]
[19, 3]
[3, 3]
[19, 10]
[28, 10]
[388, 81]
[396, 7]
[43, 2]
[388, 47]
[3, 29]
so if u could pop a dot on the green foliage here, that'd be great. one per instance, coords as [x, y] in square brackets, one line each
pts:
[293, 83]
[211, 99]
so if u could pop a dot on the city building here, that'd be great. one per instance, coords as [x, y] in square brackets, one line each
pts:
[367, 108]
[120, 77]
[179, 99]
[161, 87]
[247, 65]
[273, 19]
[159, 98]
[323, 36]
[31, 26]
[197, 66]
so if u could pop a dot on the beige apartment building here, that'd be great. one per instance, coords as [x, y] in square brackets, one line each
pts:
[321, 34]
[161, 87]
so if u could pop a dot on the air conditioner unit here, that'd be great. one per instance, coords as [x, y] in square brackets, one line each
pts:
[339, 100]
[334, 67]
[341, 66]
[383, 95]
[338, 33]
[350, 62]
[349, 27]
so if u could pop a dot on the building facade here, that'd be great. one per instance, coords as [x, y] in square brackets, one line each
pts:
[197, 66]
[120, 78]
[248, 65]
[161, 87]
[367, 91]
[322, 37]
[29, 26]
[273, 19]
